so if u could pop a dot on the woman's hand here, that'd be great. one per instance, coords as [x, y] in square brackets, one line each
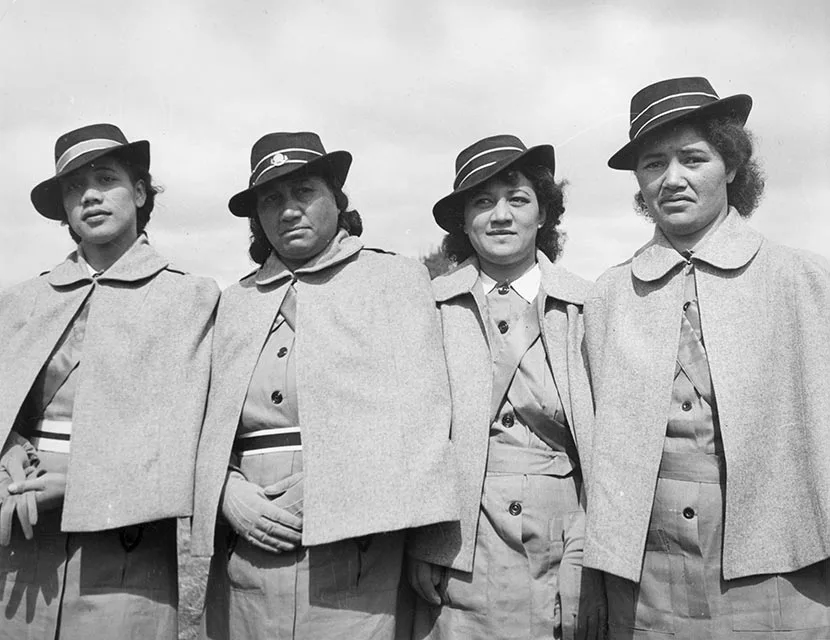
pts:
[47, 487]
[425, 579]
[15, 467]
[257, 519]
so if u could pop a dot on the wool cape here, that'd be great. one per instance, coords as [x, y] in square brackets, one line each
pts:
[764, 312]
[372, 393]
[470, 363]
[143, 380]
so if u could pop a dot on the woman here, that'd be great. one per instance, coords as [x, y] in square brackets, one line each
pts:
[709, 354]
[521, 408]
[104, 365]
[330, 399]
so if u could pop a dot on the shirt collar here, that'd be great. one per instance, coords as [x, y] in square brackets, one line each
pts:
[526, 285]
[731, 246]
[140, 261]
[342, 247]
[556, 282]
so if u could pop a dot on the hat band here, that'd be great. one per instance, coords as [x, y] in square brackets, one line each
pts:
[279, 158]
[674, 95]
[482, 153]
[87, 146]
[663, 114]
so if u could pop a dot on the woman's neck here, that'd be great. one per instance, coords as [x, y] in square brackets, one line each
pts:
[102, 256]
[505, 272]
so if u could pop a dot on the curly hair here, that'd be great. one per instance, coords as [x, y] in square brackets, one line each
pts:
[349, 219]
[736, 146]
[135, 172]
[457, 247]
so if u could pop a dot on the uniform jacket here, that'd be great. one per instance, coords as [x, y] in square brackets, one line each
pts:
[470, 363]
[373, 397]
[764, 312]
[142, 386]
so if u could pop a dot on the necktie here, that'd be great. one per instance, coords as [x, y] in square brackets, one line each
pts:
[288, 308]
[691, 354]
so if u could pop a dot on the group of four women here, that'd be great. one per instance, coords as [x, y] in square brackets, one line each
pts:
[540, 457]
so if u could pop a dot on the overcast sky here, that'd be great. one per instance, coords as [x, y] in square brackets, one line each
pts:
[403, 85]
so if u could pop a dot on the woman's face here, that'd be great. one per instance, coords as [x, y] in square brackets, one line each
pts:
[101, 202]
[502, 221]
[298, 215]
[683, 180]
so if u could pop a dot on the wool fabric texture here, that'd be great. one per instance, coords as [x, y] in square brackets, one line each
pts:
[142, 386]
[373, 396]
[764, 312]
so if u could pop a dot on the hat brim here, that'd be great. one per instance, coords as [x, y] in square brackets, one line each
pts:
[737, 106]
[446, 210]
[334, 165]
[47, 198]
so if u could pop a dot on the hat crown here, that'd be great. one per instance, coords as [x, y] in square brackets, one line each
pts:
[281, 148]
[485, 153]
[668, 99]
[93, 132]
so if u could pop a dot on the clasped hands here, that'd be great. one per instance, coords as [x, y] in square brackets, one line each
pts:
[25, 488]
[269, 518]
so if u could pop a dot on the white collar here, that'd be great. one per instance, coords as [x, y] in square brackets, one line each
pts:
[526, 285]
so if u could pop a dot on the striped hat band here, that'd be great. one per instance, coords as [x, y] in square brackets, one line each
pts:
[279, 158]
[483, 160]
[666, 108]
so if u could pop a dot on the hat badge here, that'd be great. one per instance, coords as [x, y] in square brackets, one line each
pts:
[279, 159]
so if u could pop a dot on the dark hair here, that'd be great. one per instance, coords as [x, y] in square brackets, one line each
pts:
[736, 145]
[135, 172]
[456, 245]
[348, 219]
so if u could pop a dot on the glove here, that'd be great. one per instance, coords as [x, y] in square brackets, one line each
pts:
[288, 494]
[47, 487]
[425, 579]
[581, 594]
[15, 467]
[257, 519]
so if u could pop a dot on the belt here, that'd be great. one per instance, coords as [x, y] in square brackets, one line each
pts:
[692, 467]
[268, 441]
[526, 461]
[51, 435]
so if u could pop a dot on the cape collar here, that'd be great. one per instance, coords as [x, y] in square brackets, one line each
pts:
[139, 262]
[556, 281]
[341, 248]
[731, 246]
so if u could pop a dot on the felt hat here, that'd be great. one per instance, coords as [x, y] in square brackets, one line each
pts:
[80, 147]
[276, 155]
[481, 161]
[672, 102]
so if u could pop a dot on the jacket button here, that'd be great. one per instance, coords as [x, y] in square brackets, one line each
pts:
[508, 420]
[686, 305]
[515, 508]
[281, 353]
[276, 397]
[686, 406]
[503, 289]
[688, 513]
[503, 326]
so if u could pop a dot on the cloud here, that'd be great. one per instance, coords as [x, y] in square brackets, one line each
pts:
[404, 86]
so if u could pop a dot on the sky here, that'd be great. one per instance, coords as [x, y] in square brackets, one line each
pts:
[403, 85]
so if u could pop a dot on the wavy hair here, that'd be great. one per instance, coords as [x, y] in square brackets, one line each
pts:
[736, 145]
